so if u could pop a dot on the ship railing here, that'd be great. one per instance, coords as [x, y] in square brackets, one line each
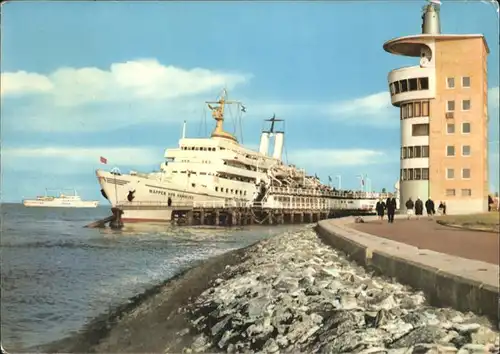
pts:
[220, 204]
[147, 203]
[295, 206]
[337, 194]
[209, 204]
[228, 203]
[232, 203]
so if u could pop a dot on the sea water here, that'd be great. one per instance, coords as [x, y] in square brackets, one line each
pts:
[57, 275]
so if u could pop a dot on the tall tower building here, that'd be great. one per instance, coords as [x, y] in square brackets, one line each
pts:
[444, 116]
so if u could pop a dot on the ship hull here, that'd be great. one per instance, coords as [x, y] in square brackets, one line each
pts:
[147, 214]
[59, 204]
[147, 200]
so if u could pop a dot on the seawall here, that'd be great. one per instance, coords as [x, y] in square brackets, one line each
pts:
[447, 281]
[288, 293]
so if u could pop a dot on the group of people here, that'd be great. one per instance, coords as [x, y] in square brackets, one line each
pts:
[389, 205]
[417, 208]
[412, 208]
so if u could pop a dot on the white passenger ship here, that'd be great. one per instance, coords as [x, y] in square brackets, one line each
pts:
[219, 171]
[60, 201]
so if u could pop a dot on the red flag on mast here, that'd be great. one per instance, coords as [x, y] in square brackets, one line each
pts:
[103, 160]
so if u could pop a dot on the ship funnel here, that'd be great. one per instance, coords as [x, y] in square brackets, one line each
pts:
[264, 143]
[278, 145]
[430, 18]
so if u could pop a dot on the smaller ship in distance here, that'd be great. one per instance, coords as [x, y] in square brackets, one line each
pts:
[60, 201]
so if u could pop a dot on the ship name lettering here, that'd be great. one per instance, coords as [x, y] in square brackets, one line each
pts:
[156, 191]
[178, 195]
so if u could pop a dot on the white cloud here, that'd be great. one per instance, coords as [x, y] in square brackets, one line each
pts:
[94, 99]
[374, 110]
[494, 168]
[144, 79]
[320, 158]
[21, 82]
[71, 160]
[493, 98]
[371, 104]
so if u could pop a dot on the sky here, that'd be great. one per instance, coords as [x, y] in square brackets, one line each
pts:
[80, 80]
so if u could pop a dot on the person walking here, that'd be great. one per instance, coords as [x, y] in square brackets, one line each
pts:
[409, 208]
[419, 208]
[380, 208]
[391, 208]
[491, 202]
[442, 208]
[429, 208]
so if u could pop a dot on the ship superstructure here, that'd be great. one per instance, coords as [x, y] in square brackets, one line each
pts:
[60, 201]
[220, 170]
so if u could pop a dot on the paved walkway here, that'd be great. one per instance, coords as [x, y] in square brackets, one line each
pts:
[426, 234]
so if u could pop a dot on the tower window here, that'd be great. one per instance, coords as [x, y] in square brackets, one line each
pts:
[450, 150]
[404, 111]
[425, 174]
[450, 128]
[423, 83]
[404, 85]
[397, 89]
[450, 82]
[413, 85]
[410, 110]
[465, 173]
[420, 129]
[466, 81]
[465, 128]
[425, 108]
[465, 105]
[417, 109]
[450, 173]
[465, 150]
[450, 106]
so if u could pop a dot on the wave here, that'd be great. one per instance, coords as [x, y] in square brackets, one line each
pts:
[100, 327]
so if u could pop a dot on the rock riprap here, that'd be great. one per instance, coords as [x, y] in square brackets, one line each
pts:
[292, 293]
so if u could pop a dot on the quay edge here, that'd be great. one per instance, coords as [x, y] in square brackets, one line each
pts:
[230, 214]
[447, 281]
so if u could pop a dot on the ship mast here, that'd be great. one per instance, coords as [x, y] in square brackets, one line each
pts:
[218, 115]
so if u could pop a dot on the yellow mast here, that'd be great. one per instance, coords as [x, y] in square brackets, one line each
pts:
[218, 115]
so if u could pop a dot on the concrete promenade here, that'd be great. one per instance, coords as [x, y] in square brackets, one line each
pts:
[446, 279]
[428, 234]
